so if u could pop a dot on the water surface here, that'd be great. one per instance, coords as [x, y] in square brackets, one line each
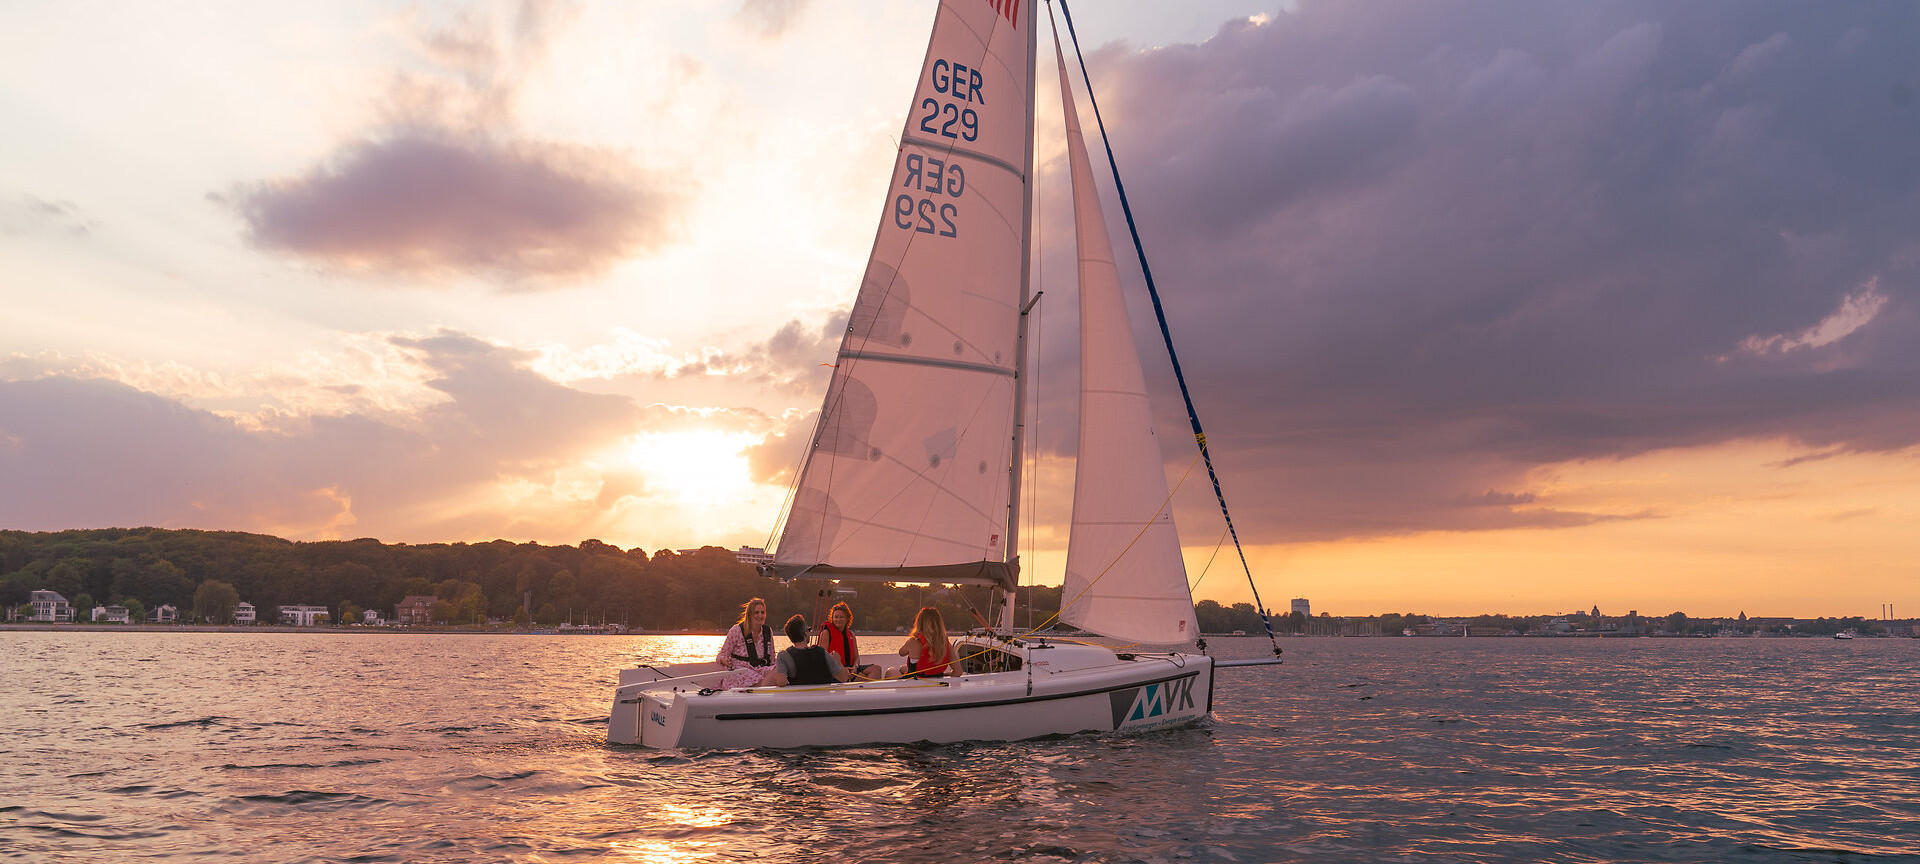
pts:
[424, 748]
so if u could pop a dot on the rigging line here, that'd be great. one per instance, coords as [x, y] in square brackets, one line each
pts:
[1210, 559]
[1193, 417]
[1033, 458]
[1037, 313]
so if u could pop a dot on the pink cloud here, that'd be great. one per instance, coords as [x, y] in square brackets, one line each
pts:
[435, 204]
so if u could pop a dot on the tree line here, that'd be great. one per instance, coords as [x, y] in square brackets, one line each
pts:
[205, 574]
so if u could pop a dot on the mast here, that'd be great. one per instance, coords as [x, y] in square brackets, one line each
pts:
[1005, 596]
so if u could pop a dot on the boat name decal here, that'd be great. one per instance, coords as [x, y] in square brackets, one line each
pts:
[1153, 700]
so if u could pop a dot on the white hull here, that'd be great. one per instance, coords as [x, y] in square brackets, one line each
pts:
[1057, 689]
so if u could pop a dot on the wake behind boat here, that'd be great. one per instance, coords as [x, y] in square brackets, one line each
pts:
[914, 471]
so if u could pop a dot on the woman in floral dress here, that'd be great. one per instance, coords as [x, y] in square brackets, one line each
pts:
[748, 650]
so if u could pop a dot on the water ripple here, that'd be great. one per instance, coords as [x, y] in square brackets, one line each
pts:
[1478, 750]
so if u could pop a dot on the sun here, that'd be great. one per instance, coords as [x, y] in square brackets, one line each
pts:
[705, 467]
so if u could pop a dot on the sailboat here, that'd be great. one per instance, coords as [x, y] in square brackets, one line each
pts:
[914, 469]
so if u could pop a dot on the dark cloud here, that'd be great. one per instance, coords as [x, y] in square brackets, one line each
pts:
[443, 183]
[432, 203]
[1416, 253]
[76, 452]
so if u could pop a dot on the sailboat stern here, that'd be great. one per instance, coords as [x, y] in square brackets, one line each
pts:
[648, 719]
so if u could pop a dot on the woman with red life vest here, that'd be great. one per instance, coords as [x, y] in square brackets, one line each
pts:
[928, 653]
[748, 650]
[837, 637]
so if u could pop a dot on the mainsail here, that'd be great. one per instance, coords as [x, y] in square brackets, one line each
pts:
[1125, 577]
[908, 474]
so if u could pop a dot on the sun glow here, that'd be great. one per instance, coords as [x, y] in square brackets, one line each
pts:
[705, 467]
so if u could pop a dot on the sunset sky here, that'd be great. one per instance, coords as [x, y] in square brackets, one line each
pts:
[1488, 307]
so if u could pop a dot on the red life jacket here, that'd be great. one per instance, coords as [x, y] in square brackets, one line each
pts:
[925, 666]
[840, 642]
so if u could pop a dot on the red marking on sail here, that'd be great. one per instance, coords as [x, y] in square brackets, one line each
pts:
[1008, 9]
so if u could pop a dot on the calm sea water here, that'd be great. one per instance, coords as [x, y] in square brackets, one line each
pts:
[421, 748]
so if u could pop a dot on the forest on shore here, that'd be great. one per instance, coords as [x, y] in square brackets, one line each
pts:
[204, 573]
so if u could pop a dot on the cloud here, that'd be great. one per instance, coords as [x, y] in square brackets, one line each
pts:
[444, 184]
[1856, 311]
[1412, 257]
[508, 413]
[432, 204]
[770, 19]
[93, 451]
[24, 214]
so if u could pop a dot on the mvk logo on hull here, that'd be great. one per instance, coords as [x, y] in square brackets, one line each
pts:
[1153, 700]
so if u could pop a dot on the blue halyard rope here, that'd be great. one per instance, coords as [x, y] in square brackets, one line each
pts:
[1193, 417]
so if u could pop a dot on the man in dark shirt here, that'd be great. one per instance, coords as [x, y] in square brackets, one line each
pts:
[807, 664]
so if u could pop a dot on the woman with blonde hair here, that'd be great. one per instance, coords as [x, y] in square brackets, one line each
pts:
[928, 653]
[748, 650]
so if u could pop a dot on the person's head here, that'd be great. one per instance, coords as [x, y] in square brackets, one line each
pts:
[841, 615]
[797, 629]
[929, 625]
[753, 615]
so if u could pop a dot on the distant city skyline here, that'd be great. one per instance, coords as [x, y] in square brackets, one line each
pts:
[1489, 305]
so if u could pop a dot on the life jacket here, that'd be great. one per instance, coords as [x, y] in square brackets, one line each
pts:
[809, 665]
[848, 650]
[753, 657]
[925, 666]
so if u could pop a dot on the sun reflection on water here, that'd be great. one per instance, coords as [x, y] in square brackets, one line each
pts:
[680, 649]
[668, 852]
[694, 817]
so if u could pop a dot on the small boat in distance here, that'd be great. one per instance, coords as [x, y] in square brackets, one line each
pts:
[1844, 634]
[913, 473]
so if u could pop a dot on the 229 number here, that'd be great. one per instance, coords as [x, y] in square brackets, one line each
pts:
[919, 213]
[968, 121]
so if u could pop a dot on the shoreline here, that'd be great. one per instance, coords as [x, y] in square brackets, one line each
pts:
[274, 629]
[41, 626]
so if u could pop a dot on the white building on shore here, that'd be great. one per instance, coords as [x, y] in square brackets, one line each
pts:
[245, 614]
[49, 606]
[111, 614]
[753, 555]
[303, 616]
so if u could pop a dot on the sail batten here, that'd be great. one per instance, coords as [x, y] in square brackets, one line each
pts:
[985, 158]
[925, 361]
